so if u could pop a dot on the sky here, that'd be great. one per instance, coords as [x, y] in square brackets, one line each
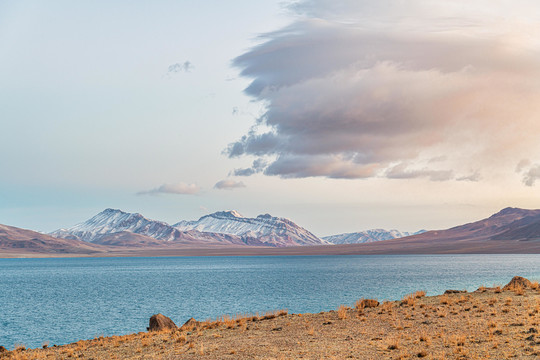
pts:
[339, 115]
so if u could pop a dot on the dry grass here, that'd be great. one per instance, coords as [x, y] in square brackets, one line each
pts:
[409, 300]
[342, 311]
[387, 306]
[518, 290]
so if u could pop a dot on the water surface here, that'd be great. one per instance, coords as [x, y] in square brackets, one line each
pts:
[64, 300]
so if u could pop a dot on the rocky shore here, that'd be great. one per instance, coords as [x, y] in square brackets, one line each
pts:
[491, 323]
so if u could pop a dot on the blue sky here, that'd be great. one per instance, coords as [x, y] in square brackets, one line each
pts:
[348, 115]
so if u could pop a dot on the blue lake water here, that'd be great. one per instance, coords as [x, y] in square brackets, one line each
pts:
[58, 301]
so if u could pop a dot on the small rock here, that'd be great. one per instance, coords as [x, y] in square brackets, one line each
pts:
[2, 349]
[327, 323]
[530, 338]
[190, 324]
[455, 291]
[160, 322]
[532, 331]
[277, 329]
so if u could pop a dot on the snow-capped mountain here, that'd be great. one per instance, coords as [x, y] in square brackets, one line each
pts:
[368, 236]
[116, 227]
[111, 221]
[265, 229]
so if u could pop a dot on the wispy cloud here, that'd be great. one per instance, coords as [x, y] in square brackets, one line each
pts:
[229, 185]
[178, 188]
[354, 87]
[402, 171]
[186, 66]
[474, 177]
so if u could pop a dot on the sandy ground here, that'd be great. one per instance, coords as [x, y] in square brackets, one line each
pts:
[487, 324]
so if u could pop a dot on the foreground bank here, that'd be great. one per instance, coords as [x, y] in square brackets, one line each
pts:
[489, 323]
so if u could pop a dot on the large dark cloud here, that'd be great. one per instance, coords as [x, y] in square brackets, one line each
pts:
[357, 89]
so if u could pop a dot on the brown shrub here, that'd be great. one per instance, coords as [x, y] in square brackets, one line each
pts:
[366, 303]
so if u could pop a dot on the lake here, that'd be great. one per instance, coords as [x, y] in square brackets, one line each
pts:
[57, 301]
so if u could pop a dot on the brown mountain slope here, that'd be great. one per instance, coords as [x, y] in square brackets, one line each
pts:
[511, 230]
[20, 241]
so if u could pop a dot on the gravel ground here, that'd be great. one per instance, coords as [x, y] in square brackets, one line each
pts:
[487, 324]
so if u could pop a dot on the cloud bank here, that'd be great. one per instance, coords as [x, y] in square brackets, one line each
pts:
[360, 89]
[178, 188]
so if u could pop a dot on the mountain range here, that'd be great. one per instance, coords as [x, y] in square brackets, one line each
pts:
[511, 230]
[118, 228]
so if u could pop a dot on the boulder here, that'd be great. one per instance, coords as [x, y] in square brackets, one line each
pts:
[517, 282]
[160, 322]
[2, 349]
[189, 325]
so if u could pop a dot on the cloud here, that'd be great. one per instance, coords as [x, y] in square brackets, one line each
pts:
[522, 165]
[229, 185]
[178, 188]
[474, 177]
[353, 88]
[531, 175]
[257, 167]
[186, 66]
[529, 171]
[401, 171]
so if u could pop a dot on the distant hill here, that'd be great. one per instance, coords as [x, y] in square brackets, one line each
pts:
[368, 236]
[15, 240]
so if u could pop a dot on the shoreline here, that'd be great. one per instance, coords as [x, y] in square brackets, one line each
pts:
[349, 249]
[487, 323]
